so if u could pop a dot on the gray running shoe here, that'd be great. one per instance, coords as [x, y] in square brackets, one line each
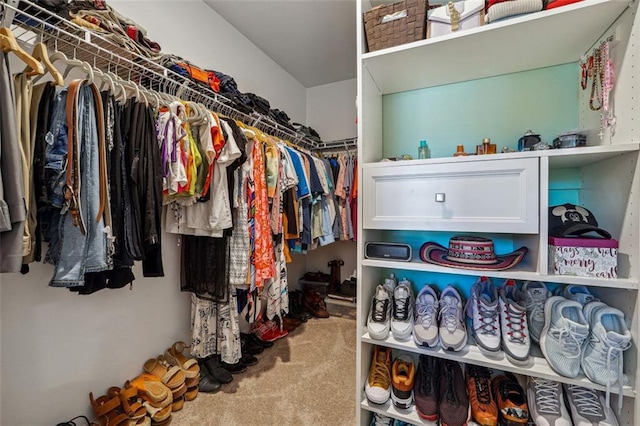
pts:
[546, 404]
[602, 361]
[513, 319]
[588, 407]
[483, 312]
[564, 334]
[402, 311]
[425, 326]
[578, 293]
[453, 333]
[535, 294]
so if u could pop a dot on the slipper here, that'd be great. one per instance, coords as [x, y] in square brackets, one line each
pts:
[175, 356]
[177, 405]
[169, 375]
[162, 404]
[191, 394]
[150, 388]
[107, 411]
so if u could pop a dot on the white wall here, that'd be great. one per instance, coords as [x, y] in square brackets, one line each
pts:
[57, 346]
[331, 109]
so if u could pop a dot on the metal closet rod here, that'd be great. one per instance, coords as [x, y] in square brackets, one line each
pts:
[40, 24]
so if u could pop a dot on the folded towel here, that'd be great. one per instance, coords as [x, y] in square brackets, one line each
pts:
[514, 7]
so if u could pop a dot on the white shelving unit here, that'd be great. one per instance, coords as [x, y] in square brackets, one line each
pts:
[607, 172]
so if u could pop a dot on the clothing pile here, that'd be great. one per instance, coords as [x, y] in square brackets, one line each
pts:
[103, 19]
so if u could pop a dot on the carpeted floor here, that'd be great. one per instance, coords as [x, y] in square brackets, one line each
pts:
[306, 378]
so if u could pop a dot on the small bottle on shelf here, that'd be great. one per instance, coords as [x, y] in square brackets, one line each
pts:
[460, 151]
[423, 150]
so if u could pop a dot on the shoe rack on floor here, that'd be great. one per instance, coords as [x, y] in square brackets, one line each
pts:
[512, 192]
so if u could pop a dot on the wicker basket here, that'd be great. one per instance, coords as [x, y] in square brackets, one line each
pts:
[399, 31]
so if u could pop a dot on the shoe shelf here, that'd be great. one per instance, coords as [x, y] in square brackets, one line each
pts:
[537, 365]
[562, 35]
[409, 415]
[519, 272]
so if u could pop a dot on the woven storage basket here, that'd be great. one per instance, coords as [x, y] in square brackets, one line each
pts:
[399, 31]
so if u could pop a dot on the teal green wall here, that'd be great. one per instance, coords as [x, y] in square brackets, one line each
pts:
[502, 108]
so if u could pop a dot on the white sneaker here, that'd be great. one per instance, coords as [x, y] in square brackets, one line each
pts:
[425, 325]
[575, 292]
[379, 320]
[563, 336]
[483, 311]
[402, 311]
[453, 333]
[602, 360]
[588, 407]
[535, 294]
[390, 284]
[516, 342]
[546, 403]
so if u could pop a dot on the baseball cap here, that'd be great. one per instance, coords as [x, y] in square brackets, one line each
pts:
[571, 220]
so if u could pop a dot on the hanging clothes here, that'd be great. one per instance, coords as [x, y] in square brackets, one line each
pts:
[12, 206]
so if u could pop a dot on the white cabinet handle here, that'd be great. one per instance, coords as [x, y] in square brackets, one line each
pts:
[439, 197]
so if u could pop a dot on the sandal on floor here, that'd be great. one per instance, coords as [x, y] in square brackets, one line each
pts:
[175, 356]
[191, 394]
[150, 388]
[130, 404]
[169, 375]
[158, 414]
[107, 411]
[165, 422]
[178, 404]
[177, 393]
[192, 382]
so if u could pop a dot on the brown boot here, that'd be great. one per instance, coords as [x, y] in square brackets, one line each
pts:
[314, 303]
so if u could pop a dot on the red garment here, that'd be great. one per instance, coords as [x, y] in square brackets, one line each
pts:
[552, 4]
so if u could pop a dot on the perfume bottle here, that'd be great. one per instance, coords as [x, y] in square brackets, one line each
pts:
[486, 148]
[460, 151]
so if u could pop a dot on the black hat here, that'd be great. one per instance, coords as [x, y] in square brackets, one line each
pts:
[570, 220]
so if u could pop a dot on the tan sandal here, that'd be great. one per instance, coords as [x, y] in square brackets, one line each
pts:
[150, 388]
[158, 414]
[178, 392]
[178, 404]
[171, 376]
[192, 382]
[191, 393]
[108, 411]
[131, 406]
[175, 356]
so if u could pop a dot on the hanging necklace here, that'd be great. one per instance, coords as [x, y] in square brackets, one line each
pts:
[607, 81]
[596, 84]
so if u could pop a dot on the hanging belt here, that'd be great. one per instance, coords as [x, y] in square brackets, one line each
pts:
[74, 141]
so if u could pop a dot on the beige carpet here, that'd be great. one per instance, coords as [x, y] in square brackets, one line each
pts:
[306, 378]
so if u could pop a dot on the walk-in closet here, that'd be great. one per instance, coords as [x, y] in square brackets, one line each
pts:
[319, 212]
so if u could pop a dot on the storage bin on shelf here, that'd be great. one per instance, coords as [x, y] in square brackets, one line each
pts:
[395, 24]
[584, 257]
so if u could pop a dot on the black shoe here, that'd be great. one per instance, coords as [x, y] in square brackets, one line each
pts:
[249, 347]
[208, 384]
[249, 360]
[213, 367]
[237, 368]
[258, 341]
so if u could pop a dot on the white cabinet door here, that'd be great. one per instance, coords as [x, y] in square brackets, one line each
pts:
[470, 196]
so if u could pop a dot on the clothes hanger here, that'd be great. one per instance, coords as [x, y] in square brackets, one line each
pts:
[72, 63]
[41, 53]
[9, 43]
